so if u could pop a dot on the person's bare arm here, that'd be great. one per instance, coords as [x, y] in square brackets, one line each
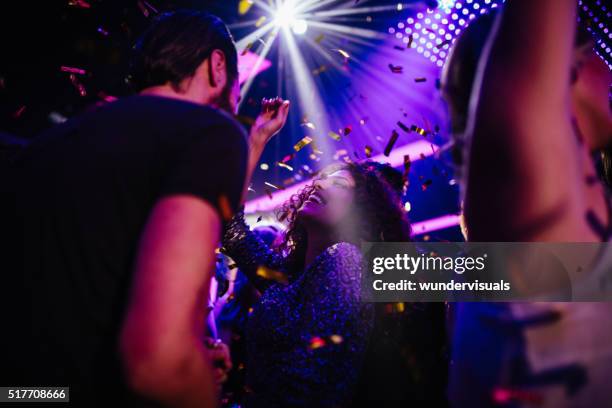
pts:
[524, 179]
[269, 122]
[160, 344]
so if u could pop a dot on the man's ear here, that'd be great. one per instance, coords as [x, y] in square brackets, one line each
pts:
[217, 73]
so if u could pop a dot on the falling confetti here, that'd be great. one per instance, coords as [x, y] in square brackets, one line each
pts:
[410, 39]
[246, 49]
[260, 21]
[73, 70]
[396, 69]
[418, 130]
[315, 343]
[336, 338]
[78, 85]
[272, 185]
[403, 127]
[264, 166]
[304, 142]
[443, 43]
[368, 151]
[334, 135]
[244, 6]
[319, 38]
[309, 125]
[271, 274]
[343, 53]
[284, 165]
[392, 141]
[420, 79]
[79, 3]
[288, 157]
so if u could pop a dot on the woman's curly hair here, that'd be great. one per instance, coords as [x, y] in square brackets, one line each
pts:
[377, 198]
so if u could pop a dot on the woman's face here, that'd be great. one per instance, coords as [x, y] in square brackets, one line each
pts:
[331, 200]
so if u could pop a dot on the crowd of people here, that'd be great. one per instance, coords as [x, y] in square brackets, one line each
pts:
[117, 228]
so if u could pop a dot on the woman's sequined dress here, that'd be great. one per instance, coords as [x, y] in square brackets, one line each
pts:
[306, 339]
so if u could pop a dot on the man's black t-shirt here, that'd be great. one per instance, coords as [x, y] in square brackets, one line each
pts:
[72, 211]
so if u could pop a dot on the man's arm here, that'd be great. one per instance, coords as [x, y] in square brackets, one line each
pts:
[524, 177]
[160, 342]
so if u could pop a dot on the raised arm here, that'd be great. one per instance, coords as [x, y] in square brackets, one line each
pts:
[524, 176]
[249, 252]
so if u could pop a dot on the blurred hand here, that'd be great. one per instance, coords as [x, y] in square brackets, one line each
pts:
[269, 122]
[219, 354]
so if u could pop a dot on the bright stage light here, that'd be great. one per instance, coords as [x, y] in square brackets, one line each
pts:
[286, 18]
[299, 27]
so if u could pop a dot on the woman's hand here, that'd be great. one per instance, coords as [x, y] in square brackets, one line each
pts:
[219, 354]
[269, 122]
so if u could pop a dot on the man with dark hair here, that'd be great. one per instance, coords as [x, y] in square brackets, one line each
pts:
[113, 218]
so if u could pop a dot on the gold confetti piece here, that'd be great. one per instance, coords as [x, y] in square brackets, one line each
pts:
[419, 130]
[250, 310]
[334, 135]
[319, 38]
[271, 185]
[264, 166]
[343, 53]
[368, 151]
[400, 307]
[271, 274]
[336, 338]
[225, 207]
[420, 79]
[260, 21]
[244, 6]
[284, 165]
[246, 49]
[315, 343]
[304, 142]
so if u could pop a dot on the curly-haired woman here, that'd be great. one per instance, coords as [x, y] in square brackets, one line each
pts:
[307, 336]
